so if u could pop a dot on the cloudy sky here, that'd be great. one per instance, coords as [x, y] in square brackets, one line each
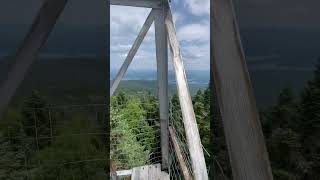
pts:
[192, 25]
[278, 13]
[273, 31]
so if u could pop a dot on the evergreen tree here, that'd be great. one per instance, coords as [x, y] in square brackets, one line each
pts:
[219, 160]
[35, 119]
[283, 141]
[72, 156]
[310, 124]
[126, 151]
[131, 135]
[135, 116]
[13, 145]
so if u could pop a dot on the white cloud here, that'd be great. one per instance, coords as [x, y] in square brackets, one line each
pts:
[126, 24]
[177, 17]
[127, 20]
[198, 7]
[194, 32]
[196, 56]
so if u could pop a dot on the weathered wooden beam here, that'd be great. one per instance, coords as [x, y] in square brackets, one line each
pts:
[189, 119]
[245, 142]
[31, 45]
[137, 3]
[162, 76]
[177, 150]
[145, 28]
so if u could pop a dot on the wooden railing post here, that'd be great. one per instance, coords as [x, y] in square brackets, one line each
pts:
[245, 142]
[162, 71]
[189, 120]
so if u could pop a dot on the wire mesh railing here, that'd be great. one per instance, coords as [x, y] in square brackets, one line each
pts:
[69, 142]
[133, 147]
[61, 142]
[135, 131]
[176, 123]
[147, 152]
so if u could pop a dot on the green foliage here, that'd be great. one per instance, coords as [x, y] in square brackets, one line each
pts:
[12, 147]
[132, 137]
[210, 130]
[310, 125]
[71, 153]
[35, 117]
[126, 151]
[72, 156]
[202, 112]
[292, 129]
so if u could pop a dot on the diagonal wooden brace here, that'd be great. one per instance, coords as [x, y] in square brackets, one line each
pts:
[30, 47]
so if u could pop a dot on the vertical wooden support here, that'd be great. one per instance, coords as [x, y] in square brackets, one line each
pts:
[246, 146]
[26, 54]
[132, 52]
[189, 119]
[162, 71]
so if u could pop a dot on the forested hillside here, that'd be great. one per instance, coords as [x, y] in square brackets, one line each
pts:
[39, 142]
[291, 129]
[42, 142]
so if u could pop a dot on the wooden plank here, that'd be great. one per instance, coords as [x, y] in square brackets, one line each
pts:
[149, 172]
[246, 146]
[158, 172]
[124, 173]
[164, 176]
[162, 77]
[137, 3]
[31, 45]
[113, 176]
[153, 172]
[145, 28]
[189, 120]
[144, 173]
[140, 173]
[135, 173]
[182, 164]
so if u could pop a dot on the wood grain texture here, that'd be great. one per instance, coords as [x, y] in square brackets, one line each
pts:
[144, 173]
[31, 45]
[162, 78]
[189, 120]
[135, 173]
[149, 172]
[182, 164]
[245, 141]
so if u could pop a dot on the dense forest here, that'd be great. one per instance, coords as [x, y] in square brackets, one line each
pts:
[38, 142]
[291, 129]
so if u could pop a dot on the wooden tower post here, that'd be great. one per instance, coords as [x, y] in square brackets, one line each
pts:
[162, 77]
[189, 120]
[245, 142]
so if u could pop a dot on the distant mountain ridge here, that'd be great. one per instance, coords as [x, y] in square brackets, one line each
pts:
[194, 76]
